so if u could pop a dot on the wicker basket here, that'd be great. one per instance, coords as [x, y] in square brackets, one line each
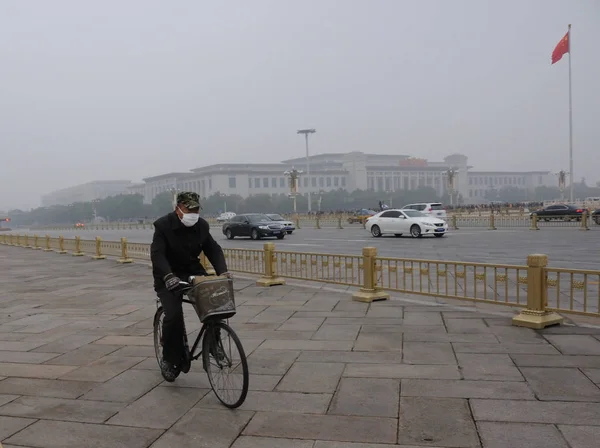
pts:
[213, 297]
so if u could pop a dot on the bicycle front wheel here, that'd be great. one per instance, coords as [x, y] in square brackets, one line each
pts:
[225, 364]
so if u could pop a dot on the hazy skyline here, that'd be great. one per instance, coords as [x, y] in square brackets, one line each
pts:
[131, 89]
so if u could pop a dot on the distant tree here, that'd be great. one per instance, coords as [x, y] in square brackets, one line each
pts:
[512, 194]
[162, 203]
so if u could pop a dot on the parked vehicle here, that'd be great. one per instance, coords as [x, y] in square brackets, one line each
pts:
[433, 209]
[361, 216]
[561, 212]
[288, 225]
[224, 217]
[596, 216]
[399, 222]
[253, 225]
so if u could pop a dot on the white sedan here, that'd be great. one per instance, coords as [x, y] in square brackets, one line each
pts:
[399, 222]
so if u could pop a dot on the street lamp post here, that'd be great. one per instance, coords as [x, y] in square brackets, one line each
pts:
[293, 174]
[223, 195]
[173, 191]
[451, 176]
[562, 181]
[306, 132]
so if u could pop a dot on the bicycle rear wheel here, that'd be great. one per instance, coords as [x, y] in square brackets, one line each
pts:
[225, 364]
[158, 345]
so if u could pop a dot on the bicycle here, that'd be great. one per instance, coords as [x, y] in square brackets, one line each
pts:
[212, 307]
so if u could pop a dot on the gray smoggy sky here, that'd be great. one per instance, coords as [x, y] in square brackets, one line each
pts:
[116, 89]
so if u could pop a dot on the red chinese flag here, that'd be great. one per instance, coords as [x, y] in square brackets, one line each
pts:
[561, 49]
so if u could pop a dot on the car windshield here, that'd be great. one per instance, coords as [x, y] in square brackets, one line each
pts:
[258, 218]
[275, 217]
[437, 207]
[414, 214]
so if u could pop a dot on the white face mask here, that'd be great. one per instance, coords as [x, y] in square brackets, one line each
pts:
[189, 219]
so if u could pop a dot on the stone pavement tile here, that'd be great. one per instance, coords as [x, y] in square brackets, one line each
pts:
[357, 315]
[205, 428]
[312, 377]
[264, 442]
[84, 355]
[534, 349]
[502, 390]
[561, 384]
[494, 367]
[322, 444]
[45, 388]
[26, 357]
[347, 305]
[101, 370]
[592, 374]
[34, 370]
[12, 425]
[575, 344]
[443, 422]
[320, 303]
[385, 311]
[125, 340]
[323, 427]
[18, 346]
[126, 387]
[466, 326]
[302, 324]
[271, 362]
[422, 318]
[43, 326]
[376, 329]
[54, 434]
[68, 343]
[401, 371]
[122, 310]
[366, 397]
[292, 344]
[199, 379]
[518, 435]
[519, 411]
[450, 337]
[272, 315]
[337, 332]
[159, 408]
[378, 342]
[276, 402]
[61, 409]
[428, 353]
[11, 336]
[590, 362]
[52, 335]
[351, 357]
[581, 436]
[149, 363]
[7, 398]
[518, 335]
[273, 334]
[337, 320]
[136, 351]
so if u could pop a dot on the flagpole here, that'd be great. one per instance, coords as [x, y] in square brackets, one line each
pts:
[570, 122]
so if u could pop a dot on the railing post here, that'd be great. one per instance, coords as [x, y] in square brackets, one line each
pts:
[297, 222]
[98, 255]
[61, 245]
[318, 223]
[26, 242]
[340, 223]
[363, 221]
[47, 248]
[492, 222]
[535, 315]
[269, 277]
[369, 292]
[206, 264]
[77, 252]
[36, 244]
[124, 256]
[454, 223]
[584, 221]
[11, 240]
[534, 222]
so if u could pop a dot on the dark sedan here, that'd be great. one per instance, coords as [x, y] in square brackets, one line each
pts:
[596, 216]
[559, 212]
[253, 225]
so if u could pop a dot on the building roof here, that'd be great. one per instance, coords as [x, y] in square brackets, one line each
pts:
[506, 173]
[164, 176]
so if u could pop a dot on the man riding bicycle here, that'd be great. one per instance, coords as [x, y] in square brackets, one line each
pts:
[179, 238]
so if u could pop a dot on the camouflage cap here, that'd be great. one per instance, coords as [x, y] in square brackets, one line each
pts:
[189, 199]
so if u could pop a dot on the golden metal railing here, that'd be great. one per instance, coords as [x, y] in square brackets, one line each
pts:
[573, 290]
[250, 261]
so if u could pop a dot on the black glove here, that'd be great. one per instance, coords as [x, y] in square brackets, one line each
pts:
[171, 282]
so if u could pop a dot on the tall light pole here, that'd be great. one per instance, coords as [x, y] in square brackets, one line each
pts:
[306, 132]
[293, 174]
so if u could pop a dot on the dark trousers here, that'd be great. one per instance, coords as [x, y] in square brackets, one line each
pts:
[173, 325]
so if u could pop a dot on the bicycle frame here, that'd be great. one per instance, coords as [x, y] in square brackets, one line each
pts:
[198, 338]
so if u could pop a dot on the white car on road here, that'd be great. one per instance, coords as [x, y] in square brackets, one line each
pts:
[224, 217]
[433, 209]
[410, 222]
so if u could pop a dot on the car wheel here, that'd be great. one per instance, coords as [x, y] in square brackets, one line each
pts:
[280, 237]
[439, 235]
[376, 231]
[229, 234]
[254, 234]
[415, 231]
[397, 235]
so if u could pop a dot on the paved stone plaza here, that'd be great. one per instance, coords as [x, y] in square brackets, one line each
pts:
[77, 369]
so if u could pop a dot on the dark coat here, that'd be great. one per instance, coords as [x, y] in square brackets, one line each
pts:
[175, 249]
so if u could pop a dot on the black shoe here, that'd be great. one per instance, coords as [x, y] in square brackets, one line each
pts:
[169, 371]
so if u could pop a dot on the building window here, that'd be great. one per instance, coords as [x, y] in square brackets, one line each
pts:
[470, 181]
[329, 181]
[306, 182]
[232, 182]
[257, 182]
[282, 182]
[273, 182]
[265, 182]
[343, 181]
[313, 181]
[470, 193]
[336, 181]
[209, 183]
[321, 181]
[249, 183]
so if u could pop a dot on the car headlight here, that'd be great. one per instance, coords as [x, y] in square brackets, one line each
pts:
[263, 227]
[428, 224]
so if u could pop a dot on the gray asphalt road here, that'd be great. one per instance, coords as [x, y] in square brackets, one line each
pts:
[565, 247]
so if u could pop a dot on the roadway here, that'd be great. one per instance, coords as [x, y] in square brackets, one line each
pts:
[566, 247]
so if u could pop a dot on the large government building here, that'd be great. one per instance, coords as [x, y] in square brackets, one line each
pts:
[349, 171]
[88, 192]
